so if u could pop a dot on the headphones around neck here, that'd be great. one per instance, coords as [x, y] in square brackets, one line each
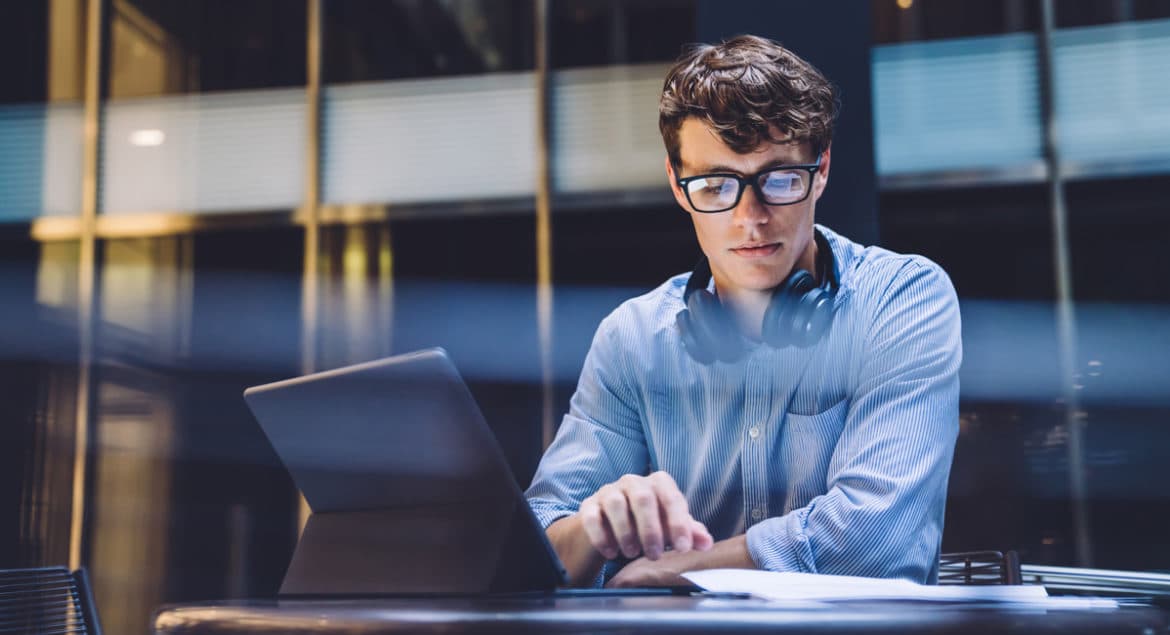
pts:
[799, 312]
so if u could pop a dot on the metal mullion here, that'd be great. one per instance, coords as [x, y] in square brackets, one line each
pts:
[87, 274]
[310, 283]
[1066, 325]
[544, 288]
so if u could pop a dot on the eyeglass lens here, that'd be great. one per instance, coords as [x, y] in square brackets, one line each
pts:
[778, 187]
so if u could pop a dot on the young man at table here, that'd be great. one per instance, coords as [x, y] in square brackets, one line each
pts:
[792, 404]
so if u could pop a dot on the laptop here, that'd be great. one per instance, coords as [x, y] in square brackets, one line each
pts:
[409, 489]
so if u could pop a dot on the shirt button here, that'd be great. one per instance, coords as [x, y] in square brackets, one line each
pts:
[754, 432]
[757, 513]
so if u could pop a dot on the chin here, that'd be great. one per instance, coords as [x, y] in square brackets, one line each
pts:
[760, 282]
[763, 277]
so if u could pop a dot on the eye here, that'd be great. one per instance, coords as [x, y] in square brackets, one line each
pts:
[717, 184]
[782, 181]
[713, 185]
[783, 185]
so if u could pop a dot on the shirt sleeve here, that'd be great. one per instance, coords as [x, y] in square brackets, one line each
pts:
[599, 440]
[882, 513]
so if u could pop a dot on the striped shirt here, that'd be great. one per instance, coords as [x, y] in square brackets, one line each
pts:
[832, 459]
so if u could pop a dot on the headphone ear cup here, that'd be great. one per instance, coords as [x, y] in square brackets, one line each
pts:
[812, 318]
[783, 321]
[708, 333]
[690, 339]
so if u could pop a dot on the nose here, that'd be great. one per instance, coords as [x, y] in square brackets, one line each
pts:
[751, 209]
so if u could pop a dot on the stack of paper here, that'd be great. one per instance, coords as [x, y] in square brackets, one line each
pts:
[773, 585]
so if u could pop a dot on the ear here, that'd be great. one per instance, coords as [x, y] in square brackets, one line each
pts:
[822, 176]
[679, 196]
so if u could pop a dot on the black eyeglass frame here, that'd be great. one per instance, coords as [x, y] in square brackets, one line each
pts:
[752, 180]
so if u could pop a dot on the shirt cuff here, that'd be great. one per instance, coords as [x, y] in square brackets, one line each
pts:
[782, 544]
[548, 512]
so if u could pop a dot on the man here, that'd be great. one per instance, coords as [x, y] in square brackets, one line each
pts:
[698, 437]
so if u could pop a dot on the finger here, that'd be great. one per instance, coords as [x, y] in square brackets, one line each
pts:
[617, 512]
[676, 516]
[643, 501]
[597, 529]
[673, 542]
[618, 581]
[701, 537]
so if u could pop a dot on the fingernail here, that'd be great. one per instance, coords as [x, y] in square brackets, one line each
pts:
[653, 553]
[683, 543]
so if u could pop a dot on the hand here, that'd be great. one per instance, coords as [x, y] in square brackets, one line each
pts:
[639, 515]
[643, 572]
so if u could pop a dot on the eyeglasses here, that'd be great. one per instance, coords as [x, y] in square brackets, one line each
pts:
[781, 185]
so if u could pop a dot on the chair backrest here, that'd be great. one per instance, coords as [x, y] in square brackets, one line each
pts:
[48, 600]
[979, 567]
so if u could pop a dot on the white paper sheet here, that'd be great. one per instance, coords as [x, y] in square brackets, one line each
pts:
[809, 586]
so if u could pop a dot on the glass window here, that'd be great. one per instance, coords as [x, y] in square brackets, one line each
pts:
[610, 59]
[158, 47]
[1111, 102]
[41, 110]
[38, 386]
[1074, 13]
[428, 102]
[916, 20]
[373, 40]
[609, 32]
[206, 109]
[1117, 232]
[430, 140]
[466, 283]
[995, 241]
[189, 501]
[957, 106]
[42, 44]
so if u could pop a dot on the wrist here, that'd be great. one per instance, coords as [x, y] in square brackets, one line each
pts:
[582, 561]
[731, 553]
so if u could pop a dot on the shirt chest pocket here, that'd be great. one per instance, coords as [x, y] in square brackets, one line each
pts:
[807, 443]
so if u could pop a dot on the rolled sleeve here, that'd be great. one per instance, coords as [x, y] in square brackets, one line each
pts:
[600, 439]
[781, 544]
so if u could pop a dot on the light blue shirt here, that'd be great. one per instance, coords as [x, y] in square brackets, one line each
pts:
[833, 459]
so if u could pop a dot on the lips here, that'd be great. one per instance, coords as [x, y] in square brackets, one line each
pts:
[756, 250]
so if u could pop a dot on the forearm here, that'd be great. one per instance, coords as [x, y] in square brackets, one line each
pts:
[724, 554]
[572, 545]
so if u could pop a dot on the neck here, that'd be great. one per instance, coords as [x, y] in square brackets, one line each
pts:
[747, 306]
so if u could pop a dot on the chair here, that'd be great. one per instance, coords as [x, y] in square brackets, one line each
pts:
[979, 567]
[48, 600]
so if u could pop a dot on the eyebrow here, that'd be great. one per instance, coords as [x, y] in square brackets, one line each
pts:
[720, 169]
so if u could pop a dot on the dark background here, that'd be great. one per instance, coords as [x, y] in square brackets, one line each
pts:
[180, 475]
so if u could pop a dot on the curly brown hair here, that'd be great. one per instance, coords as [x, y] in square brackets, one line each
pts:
[740, 88]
